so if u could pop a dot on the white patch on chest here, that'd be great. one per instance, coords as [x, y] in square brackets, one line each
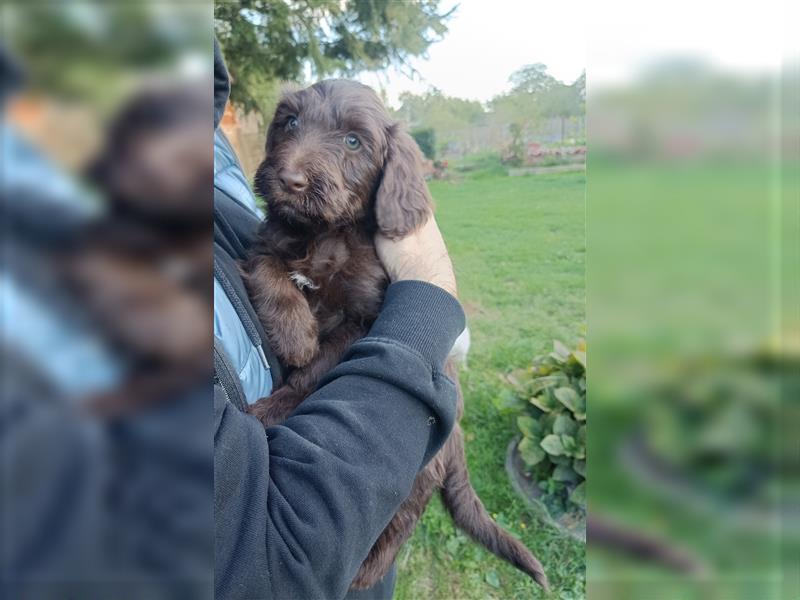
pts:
[302, 282]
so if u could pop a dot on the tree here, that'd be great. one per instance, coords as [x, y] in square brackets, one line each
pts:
[90, 50]
[449, 117]
[265, 41]
[532, 79]
[535, 97]
[523, 106]
[564, 101]
[579, 85]
[516, 149]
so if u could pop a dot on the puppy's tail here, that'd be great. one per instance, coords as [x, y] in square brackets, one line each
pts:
[470, 516]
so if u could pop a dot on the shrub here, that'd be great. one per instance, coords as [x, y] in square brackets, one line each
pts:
[514, 154]
[553, 424]
[426, 140]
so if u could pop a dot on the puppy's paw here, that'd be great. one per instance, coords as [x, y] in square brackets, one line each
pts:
[296, 345]
[302, 353]
[276, 407]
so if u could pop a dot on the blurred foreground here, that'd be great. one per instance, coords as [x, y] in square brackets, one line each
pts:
[106, 197]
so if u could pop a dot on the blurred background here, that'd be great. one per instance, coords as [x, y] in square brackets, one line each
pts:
[105, 289]
[693, 301]
[519, 104]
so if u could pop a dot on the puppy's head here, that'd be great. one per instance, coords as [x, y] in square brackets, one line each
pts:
[334, 157]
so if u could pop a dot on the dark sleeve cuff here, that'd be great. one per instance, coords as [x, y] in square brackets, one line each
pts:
[421, 316]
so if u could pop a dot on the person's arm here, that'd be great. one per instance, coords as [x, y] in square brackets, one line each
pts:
[298, 509]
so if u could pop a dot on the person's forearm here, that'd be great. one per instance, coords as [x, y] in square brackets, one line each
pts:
[339, 468]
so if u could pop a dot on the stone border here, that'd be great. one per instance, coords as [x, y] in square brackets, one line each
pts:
[571, 524]
[571, 168]
[650, 471]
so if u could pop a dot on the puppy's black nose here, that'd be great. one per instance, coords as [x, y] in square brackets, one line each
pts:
[293, 181]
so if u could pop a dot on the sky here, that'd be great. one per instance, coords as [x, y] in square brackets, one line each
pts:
[613, 40]
[490, 39]
[744, 38]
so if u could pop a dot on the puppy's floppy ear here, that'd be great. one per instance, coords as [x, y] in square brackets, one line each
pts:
[402, 202]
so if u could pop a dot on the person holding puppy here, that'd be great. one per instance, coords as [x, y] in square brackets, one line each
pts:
[298, 506]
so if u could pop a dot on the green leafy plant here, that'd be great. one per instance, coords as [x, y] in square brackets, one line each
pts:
[720, 423]
[553, 423]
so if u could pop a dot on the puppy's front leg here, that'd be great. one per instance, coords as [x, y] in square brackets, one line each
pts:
[277, 407]
[283, 310]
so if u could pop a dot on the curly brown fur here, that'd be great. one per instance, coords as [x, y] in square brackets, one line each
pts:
[338, 169]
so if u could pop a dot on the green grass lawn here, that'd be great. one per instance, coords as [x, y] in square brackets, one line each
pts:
[518, 245]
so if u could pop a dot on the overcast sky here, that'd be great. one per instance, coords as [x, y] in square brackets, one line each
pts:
[743, 37]
[490, 39]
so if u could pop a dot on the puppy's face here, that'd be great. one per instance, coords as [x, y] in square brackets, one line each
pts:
[325, 150]
[333, 155]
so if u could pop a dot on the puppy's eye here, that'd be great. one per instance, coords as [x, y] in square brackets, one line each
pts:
[291, 123]
[352, 142]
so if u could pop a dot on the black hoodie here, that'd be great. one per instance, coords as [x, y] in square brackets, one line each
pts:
[298, 506]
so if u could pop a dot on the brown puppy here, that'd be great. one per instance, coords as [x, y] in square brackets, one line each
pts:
[338, 169]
